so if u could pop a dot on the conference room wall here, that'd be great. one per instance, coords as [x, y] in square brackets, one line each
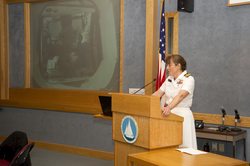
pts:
[73, 129]
[214, 40]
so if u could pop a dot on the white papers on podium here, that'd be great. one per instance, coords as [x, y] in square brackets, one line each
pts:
[191, 151]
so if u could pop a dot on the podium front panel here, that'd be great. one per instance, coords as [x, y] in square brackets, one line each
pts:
[153, 133]
[143, 129]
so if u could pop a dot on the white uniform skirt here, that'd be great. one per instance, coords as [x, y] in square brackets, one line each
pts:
[189, 134]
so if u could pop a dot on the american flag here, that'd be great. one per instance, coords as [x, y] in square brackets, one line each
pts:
[161, 71]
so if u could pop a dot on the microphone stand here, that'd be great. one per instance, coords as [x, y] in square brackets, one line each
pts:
[237, 118]
[222, 127]
[145, 86]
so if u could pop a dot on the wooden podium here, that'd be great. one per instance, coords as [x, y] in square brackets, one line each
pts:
[154, 132]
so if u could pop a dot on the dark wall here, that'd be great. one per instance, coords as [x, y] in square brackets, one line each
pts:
[134, 44]
[213, 39]
[16, 45]
[72, 129]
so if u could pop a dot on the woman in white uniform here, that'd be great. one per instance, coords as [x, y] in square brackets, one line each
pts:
[178, 89]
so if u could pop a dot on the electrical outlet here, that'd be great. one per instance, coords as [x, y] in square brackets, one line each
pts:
[214, 146]
[221, 147]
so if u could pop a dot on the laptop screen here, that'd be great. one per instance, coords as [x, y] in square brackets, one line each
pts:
[106, 105]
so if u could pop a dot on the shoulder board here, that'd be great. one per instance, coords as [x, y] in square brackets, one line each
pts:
[187, 75]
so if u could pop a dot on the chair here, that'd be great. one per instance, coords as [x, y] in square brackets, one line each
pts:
[20, 157]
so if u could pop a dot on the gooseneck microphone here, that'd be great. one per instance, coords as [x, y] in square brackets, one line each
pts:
[223, 112]
[237, 115]
[237, 118]
[222, 127]
[145, 86]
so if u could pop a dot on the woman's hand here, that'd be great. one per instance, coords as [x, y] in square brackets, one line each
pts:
[166, 111]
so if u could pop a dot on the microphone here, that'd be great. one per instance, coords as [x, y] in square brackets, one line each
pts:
[237, 118]
[222, 127]
[237, 115]
[145, 86]
[223, 111]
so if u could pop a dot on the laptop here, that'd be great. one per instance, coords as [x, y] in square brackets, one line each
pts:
[106, 105]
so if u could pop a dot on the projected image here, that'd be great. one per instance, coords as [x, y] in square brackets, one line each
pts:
[75, 44]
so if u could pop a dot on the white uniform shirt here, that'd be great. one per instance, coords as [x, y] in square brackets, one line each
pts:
[172, 87]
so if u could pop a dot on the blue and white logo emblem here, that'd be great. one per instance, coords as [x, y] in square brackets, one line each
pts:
[129, 129]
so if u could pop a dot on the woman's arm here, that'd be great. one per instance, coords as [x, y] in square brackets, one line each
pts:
[159, 93]
[177, 99]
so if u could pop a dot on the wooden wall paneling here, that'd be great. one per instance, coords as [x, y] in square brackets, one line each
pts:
[87, 109]
[25, 1]
[176, 33]
[121, 45]
[71, 150]
[150, 45]
[27, 43]
[175, 16]
[217, 119]
[55, 99]
[79, 97]
[4, 52]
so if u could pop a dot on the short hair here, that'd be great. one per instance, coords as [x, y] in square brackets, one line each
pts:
[177, 59]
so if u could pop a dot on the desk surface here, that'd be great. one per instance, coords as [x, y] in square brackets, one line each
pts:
[172, 157]
[232, 133]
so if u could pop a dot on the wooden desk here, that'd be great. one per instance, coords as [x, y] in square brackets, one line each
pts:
[102, 117]
[172, 157]
[231, 136]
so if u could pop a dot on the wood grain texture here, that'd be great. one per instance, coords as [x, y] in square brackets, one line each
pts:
[143, 129]
[56, 99]
[154, 132]
[217, 119]
[122, 150]
[247, 2]
[79, 97]
[100, 116]
[121, 44]
[27, 44]
[170, 156]
[25, 1]
[164, 133]
[143, 105]
[175, 16]
[150, 45]
[4, 52]
[71, 149]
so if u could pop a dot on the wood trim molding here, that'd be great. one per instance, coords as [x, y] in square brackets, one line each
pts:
[25, 1]
[150, 45]
[217, 119]
[4, 51]
[245, 2]
[121, 44]
[175, 16]
[56, 99]
[27, 43]
[100, 116]
[87, 109]
[71, 150]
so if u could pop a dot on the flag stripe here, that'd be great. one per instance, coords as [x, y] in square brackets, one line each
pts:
[161, 69]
